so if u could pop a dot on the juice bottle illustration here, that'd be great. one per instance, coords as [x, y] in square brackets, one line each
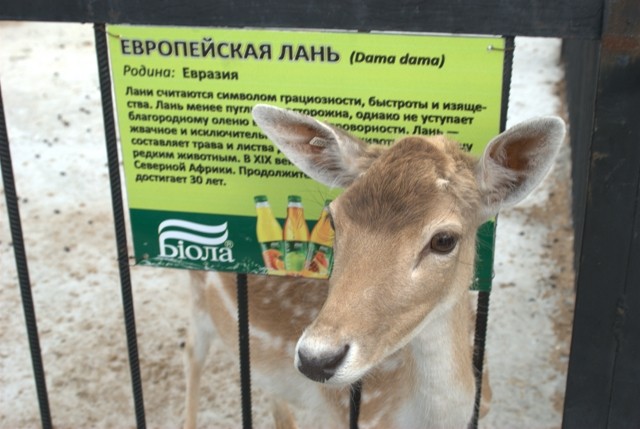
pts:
[319, 259]
[296, 236]
[269, 233]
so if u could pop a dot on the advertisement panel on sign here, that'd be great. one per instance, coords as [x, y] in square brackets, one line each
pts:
[207, 190]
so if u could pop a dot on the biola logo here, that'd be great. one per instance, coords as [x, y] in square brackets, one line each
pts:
[194, 241]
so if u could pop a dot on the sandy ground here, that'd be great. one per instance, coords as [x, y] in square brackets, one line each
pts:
[51, 96]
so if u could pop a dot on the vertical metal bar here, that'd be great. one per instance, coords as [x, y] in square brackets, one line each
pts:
[482, 312]
[482, 316]
[507, 69]
[354, 412]
[245, 360]
[119, 223]
[23, 272]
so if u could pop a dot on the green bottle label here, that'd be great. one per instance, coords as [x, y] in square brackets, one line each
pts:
[319, 259]
[272, 254]
[295, 253]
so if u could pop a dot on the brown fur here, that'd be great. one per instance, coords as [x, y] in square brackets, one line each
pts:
[409, 200]
[396, 304]
[399, 188]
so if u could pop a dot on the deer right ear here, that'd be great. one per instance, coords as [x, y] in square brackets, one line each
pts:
[516, 161]
[326, 154]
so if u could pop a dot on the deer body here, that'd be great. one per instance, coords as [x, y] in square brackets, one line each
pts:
[400, 392]
[396, 312]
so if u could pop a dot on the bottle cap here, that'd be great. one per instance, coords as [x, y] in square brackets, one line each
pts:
[295, 199]
[260, 198]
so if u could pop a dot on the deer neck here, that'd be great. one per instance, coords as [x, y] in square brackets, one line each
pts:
[444, 388]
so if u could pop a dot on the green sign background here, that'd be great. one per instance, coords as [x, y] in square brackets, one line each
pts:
[168, 83]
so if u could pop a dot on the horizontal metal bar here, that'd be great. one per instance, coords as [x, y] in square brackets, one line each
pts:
[543, 18]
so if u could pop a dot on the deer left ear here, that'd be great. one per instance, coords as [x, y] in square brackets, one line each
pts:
[516, 161]
[327, 154]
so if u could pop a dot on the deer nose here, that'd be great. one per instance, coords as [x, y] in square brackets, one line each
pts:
[321, 367]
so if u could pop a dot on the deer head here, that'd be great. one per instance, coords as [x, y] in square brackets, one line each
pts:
[405, 229]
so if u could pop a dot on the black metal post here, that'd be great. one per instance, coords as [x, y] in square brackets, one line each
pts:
[354, 410]
[245, 359]
[482, 317]
[23, 271]
[119, 223]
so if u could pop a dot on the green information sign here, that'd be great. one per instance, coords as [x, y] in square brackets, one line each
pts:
[207, 190]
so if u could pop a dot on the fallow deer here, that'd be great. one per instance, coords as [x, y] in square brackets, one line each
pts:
[396, 311]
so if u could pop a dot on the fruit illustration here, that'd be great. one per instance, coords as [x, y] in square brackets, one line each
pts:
[319, 260]
[319, 264]
[273, 259]
[294, 261]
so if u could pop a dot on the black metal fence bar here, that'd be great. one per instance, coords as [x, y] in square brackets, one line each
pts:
[482, 308]
[354, 408]
[119, 221]
[542, 18]
[23, 271]
[480, 338]
[245, 358]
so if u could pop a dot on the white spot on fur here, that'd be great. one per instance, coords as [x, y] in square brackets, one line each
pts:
[442, 183]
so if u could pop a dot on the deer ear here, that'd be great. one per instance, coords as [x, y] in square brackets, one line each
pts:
[326, 154]
[516, 161]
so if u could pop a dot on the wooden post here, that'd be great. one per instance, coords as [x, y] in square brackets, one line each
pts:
[603, 384]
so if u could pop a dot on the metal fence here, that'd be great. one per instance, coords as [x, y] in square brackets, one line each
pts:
[602, 52]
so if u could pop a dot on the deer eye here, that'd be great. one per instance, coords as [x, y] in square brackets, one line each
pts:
[443, 242]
